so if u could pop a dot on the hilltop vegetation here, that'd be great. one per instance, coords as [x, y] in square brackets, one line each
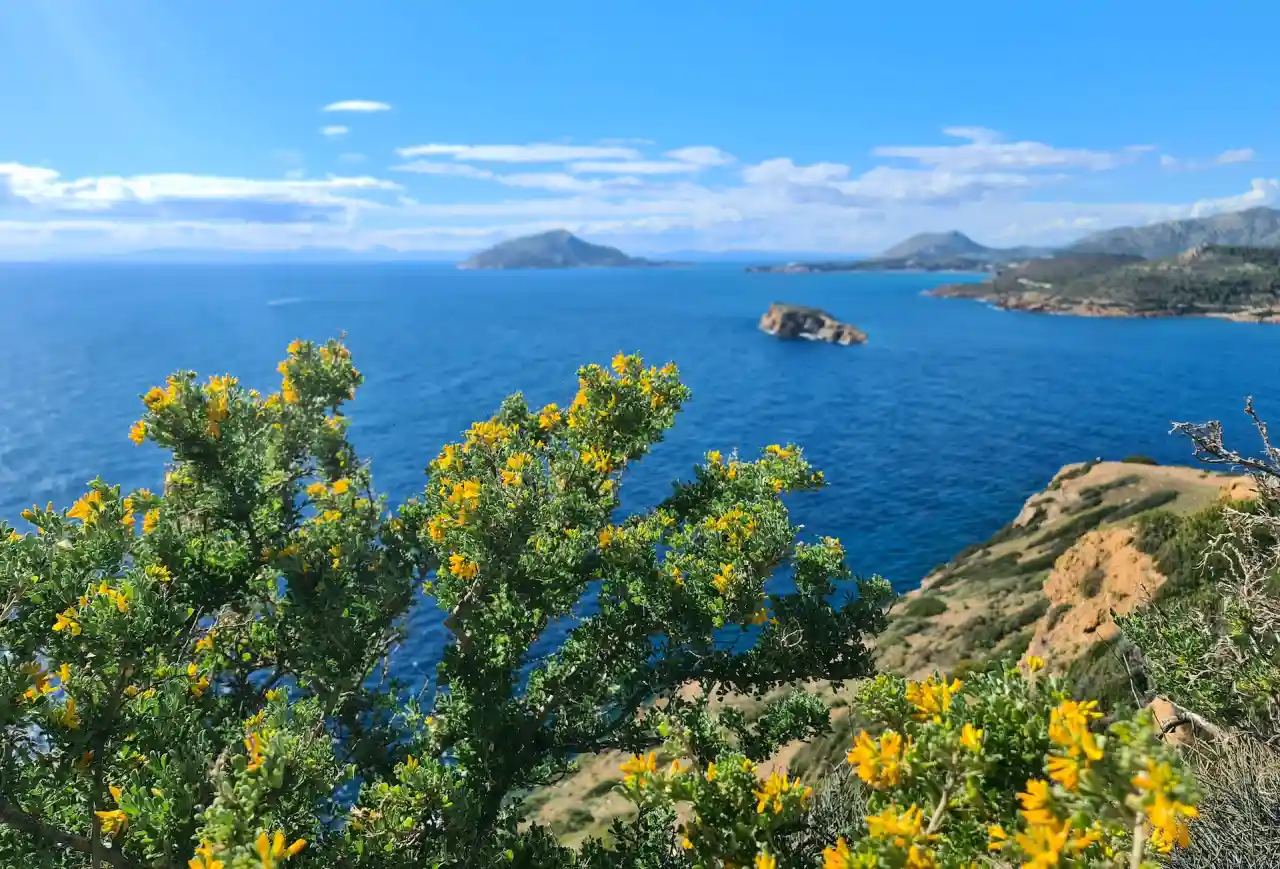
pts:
[1230, 281]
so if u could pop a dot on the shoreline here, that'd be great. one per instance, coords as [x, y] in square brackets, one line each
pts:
[1085, 309]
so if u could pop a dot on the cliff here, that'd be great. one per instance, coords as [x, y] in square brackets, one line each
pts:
[811, 324]
[1231, 282]
[558, 249]
[1046, 583]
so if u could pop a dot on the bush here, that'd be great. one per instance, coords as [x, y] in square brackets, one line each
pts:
[1146, 503]
[198, 677]
[1138, 459]
[924, 607]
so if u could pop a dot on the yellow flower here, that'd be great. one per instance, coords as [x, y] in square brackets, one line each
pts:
[879, 762]
[1065, 771]
[607, 535]
[295, 347]
[204, 858]
[902, 826]
[460, 567]
[112, 821]
[159, 573]
[272, 852]
[838, 856]
[465, 494]
[1044, 843]
[780, 452]
[597, 459]
[67, 716]
[138, 432]
[436, 526]
[775, 788]
[253, 747]
[1165, 814]
[971, 738]
[487, 434]
[760, 616]
[1035, 663]
[722, 579]
[205, 643]
[448, 458]
[998, 837]
[150, 520]
[87, 508]
[549, 417]
[711, 771]
[316, 490]
[714, 457]
[638, 766]
[67, 621]
[932, 697]
[1037, 808]
[766, 861]
[340, 487]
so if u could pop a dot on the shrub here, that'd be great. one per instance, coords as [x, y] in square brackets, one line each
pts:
[924, 607]
[199, 674]
[1138, 459]
[1146, 503]
[1091, 585]
[199, 677]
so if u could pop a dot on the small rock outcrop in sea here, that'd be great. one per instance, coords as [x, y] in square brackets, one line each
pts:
[812, 324]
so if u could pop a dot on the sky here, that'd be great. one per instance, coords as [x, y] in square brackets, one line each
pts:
[440, 128]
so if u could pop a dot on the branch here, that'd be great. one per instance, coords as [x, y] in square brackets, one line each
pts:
[1186, 716]
[20, 820]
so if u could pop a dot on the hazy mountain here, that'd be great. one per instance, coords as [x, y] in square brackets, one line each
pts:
[935, 245]
[558, 249]
[1256, 227]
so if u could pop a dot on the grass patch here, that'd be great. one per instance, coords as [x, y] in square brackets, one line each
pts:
[990, 631]
[925, 607]
[1077, 526]
[1138, 459]
[603, 788]
[1073, 474]
[1055, 614]
[1152, 501]
[1091, 585]
[1101, 674]
[576, 818]
[1046, 560]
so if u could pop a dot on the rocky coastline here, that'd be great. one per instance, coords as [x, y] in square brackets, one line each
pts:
[810, 324]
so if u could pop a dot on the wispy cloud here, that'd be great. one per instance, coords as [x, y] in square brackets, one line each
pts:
[702, 155]
[357, 106]
[635, 167]
[533, 153]
[1235, 155]
[334, 131]
[352, 158]
[986, 149]
[182, 196]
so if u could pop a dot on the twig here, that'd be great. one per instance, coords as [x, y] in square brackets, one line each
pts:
[20, 820]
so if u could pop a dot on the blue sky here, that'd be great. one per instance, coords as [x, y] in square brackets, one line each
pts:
[823, 126]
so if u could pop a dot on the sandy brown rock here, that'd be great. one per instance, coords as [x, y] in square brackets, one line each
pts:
[812, 324]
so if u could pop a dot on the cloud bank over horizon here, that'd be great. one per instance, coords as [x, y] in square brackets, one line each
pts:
[451, 197]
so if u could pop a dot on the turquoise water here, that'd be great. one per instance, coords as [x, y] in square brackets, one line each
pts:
[932, 435]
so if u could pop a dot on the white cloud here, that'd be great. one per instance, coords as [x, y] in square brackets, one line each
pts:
[334, 130]
[533, 153]
[701, 155]
[357, 106]
[782, 170]
[1235, 155]
[182, 196]
[985, 150]
[634, 167]
[640, 198]
[432, 167]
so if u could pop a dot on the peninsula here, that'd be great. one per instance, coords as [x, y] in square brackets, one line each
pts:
[557, 249]
[1229, 281]
[811, 324]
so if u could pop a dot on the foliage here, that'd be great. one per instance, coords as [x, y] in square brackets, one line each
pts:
[199, 676]
[1139, 459]
[1005, 765]
[1212, 644]
[925, 606]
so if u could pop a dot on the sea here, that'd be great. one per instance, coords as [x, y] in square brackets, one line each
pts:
[932, 435]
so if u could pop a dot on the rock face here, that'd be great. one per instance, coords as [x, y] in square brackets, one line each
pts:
[811, 324]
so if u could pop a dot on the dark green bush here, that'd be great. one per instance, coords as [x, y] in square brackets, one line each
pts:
[925, 607]
[1139, 459]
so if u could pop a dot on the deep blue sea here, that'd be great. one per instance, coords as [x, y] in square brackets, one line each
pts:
[931, 435]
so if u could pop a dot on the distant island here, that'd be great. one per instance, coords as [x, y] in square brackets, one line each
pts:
[928, 251]
[1235, 282]
[557, 249]
[811, 324]
[955, 251]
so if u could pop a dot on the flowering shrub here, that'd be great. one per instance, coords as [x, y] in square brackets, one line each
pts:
[1005, 770]
[197, 677]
